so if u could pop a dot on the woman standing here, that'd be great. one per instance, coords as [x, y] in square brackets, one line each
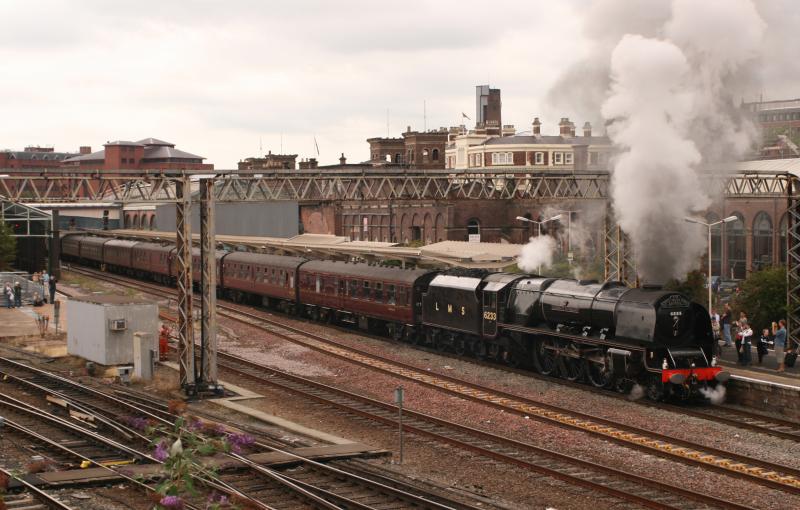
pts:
[779, 331]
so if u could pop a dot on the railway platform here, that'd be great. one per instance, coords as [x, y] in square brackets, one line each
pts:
[20, 329]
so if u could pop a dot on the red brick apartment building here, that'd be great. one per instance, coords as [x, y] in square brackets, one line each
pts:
[147, 154]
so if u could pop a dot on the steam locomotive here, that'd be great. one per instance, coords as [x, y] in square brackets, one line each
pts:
[605, 334]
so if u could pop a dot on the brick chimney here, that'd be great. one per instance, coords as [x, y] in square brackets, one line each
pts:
[564, 127]
[572, 129]
[85, 149]
[312, 163]
[587, 129]
[343, 160]
[537, 127]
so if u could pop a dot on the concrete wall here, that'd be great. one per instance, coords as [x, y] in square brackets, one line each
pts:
[268, 219]
[89, 335]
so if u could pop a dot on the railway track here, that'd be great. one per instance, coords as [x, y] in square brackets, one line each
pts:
[763, 424]
[252, 481]
[765, 473]
[29, 497]
[638, 490]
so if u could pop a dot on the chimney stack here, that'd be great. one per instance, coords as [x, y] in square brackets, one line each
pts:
[587, 129]
[572, 129]
[537, 127]
[343, 160]
[85, 149]
[564, 127]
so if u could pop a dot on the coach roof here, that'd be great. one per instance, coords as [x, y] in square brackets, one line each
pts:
[383, 273]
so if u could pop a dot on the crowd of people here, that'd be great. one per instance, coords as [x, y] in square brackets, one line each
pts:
[739, 334]
[13, 292]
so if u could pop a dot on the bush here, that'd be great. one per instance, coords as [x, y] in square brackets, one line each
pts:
[763, 297]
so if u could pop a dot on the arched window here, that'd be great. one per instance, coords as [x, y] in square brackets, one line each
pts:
[782, 238]
[762, 241]
[397, 158]
[153, 222]
[474, 229]
[737, 240]
[716, 244]
[435, 154]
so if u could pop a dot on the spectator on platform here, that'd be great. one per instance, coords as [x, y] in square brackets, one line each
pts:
[45, 278]
[746, 335]
[17, 294]
[762, 348]
[779, 331]
[37, 299]
[9, 294]
[726, 325]
[52, 286]
[715, 326]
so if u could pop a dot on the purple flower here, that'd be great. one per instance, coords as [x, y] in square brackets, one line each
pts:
[172, 502]
[162, 451]
[136, 422]
[239, 441]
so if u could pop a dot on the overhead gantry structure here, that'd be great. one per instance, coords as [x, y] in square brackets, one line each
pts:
[169, 186]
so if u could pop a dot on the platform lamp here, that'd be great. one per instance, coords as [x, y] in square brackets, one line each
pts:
[708, 226]
[539, 225]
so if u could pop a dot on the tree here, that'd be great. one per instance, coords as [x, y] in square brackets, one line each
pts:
[693, 287]
[763, 297]
[8, 247]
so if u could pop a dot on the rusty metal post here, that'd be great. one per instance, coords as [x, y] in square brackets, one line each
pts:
[183, 259]
[208, 284]
[792, 262]
[618, 261]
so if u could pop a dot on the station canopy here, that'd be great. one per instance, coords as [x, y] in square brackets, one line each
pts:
[321, 246]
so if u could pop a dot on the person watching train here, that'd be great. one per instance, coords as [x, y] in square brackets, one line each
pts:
[726, 325]
[746, 335]
[779, 332]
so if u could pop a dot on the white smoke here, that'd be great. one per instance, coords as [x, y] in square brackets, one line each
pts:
[669, 113]
[637, 392]
[537, 253]
[715, 395]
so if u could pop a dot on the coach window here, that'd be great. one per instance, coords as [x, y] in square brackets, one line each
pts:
[390, 294]
[319, 283]
[365, 290]
[379, 292]
[341, 286]
[352, 288]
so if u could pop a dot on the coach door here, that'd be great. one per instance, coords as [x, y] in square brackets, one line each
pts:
[489, 313]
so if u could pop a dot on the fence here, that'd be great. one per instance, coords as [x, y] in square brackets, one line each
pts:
[28, 287]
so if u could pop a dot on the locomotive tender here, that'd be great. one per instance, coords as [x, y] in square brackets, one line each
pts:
[605, 334]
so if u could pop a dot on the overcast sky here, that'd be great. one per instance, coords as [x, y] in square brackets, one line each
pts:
[218, 78]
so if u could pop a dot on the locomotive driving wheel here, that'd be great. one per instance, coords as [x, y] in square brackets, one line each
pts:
[655, 388]
[545, 356]
[598, 373]
[460, 346]
[478, 348]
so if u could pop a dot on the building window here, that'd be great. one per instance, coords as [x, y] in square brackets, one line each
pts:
[479, 159]
[538, 158]
[471, 158]
[762, 241]
[435, 154]
[568, 158]
[502, 158]
[592, 158]
[737, 240]
[558, 158]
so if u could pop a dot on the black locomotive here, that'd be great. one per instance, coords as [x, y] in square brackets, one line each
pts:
[604, 333]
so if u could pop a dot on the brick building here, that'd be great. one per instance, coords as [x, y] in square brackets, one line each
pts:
[147, 154]
[782, 115]
[35, 157]
[416, 149]
[270, 161]
[477, 148]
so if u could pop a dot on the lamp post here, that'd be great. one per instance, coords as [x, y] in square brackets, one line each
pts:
[708, 226]
[539, 224]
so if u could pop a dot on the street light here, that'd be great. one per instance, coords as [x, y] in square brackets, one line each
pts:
[539, 224]
[709, 225]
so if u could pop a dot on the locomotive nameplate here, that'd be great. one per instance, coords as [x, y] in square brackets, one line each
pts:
[675, 301]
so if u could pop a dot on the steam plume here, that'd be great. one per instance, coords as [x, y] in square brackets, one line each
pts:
[538, 252]
[669, 113]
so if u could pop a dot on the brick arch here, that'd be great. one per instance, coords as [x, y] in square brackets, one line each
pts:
[384, 230]
[761, 237]
[135, 224]
[152, 225]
